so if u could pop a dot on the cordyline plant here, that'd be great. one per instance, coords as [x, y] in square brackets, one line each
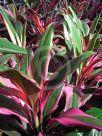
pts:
[44, 92]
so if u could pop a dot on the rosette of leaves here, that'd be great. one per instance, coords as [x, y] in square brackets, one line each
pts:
[36, 101]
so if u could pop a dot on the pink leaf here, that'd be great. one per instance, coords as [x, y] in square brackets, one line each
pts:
[76, 117]
[40, 134]
[9, 112]
[68, 92]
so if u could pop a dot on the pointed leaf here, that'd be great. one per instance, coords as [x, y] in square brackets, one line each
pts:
[20, 80]
[19, 30]
[68, 93]
[42, 56]
[75, 117]
[80, 24]
[11, 30]
[75, 34]
[58, 77]
[5, 111]
[8, 47]
[94, 23]
[93, 43]
[8, 103]
[52, 102]
[8, 91]
[67, 37]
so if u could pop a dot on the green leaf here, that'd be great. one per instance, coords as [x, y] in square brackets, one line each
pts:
[94, 23]
[75, 117]
[67, 37]
[19, 30]
[96, 112]
[51, 102]
[8, 47]
[85, 29]
[74, 100]
[95, 72]
[29, 86]
[42, 55]
[5, 58]
[12, 133]
[89, 121]
[24, 35]
[57, 78]
[80, 24]
[11, 30]
[3, 68]
[24, 66]
[93, 43]
[75, 34]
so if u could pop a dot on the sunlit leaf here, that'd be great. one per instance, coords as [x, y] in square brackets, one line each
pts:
[11, 30]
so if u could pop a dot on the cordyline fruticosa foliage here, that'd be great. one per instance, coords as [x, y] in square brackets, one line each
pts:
[50, 70]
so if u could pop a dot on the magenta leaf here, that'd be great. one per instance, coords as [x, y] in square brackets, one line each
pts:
[73, 96]
[8, 91]
[8, 112]
[8, 103]
[75, 117]
[29, 86]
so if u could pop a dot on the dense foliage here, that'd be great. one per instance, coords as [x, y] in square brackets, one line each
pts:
[50, 68]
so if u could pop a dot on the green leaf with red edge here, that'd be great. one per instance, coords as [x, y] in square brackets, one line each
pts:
[75, 117]
[42, 56]
[52, 102]
[8, 47]
[29, 86]
[11, 30]
[95, 72]
[58, 77]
